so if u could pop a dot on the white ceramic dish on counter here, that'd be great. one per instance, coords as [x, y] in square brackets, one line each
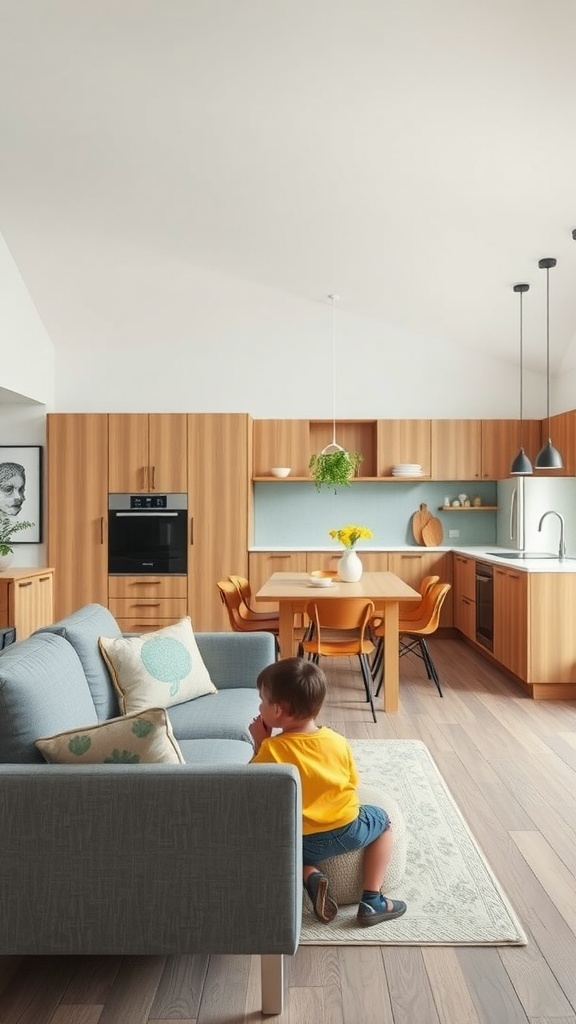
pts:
[280, 471]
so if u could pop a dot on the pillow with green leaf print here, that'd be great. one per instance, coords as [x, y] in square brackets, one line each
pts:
[144, 737]
[156, 669]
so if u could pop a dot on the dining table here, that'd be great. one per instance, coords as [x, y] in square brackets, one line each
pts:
[293, 591]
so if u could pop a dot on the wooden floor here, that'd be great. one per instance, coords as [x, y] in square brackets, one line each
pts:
[511, 765]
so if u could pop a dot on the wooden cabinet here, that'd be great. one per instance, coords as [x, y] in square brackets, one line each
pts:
[281, 443]
[26, 599]
[77, 508]
[147, 452]
[464, 596]
[264, 563]
[403, 441]
[219, 507]
[562, 432]
[456, 449]
[413, 566]
[501, 441]
[143, 603]
[511, 619]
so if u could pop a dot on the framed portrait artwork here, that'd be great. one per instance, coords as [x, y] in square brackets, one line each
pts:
[21, 489]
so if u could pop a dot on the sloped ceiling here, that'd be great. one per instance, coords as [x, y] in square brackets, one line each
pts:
[418, 158]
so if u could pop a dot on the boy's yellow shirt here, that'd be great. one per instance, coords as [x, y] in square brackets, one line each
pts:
[328, 775]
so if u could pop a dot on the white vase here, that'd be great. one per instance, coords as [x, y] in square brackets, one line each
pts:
[350, 567]
[6, 561]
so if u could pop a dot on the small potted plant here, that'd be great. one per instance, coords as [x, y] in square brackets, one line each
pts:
[7, 531]
[334, 468]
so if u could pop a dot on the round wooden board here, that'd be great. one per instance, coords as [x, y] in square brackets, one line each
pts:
[419, 521]
[432, 533]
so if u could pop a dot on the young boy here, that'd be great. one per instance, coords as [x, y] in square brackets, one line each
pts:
[292, 692]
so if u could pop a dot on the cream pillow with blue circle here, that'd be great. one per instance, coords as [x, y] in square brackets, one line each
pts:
[156, 669]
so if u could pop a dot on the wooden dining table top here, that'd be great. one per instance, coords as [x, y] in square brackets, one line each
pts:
[374, 586]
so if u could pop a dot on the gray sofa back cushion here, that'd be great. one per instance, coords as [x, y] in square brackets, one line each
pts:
[43, 690]
[82, 629]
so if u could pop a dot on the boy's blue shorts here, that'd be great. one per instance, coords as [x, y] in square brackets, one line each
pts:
[371, 822]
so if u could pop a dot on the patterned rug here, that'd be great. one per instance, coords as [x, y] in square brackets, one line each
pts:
[452, 894]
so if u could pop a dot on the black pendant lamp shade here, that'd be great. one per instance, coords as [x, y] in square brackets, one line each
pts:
[548, 457]
[521, 465]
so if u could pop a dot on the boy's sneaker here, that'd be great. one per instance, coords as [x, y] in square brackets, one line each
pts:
[324, 906]
[377, 909]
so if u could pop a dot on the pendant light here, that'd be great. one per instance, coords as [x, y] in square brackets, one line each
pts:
[333, 447]
[521, 465]
[548, 457]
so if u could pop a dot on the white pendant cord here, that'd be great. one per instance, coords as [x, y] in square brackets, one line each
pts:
[333, 447]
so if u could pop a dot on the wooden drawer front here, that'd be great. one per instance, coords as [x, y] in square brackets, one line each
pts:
[147, 586]
[141, 625]
[148, 608]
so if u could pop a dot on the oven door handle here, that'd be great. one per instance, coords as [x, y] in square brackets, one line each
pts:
[135, 515]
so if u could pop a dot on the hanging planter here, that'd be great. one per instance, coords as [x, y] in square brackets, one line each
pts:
[335, 468]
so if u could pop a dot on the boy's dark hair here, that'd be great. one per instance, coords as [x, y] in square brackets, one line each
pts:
[298, 685]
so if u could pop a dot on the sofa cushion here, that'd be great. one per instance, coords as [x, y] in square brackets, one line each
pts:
[144, 737]
[82, 629]
[157, 669]
[43, 690]
[220, 716]
[216, 752]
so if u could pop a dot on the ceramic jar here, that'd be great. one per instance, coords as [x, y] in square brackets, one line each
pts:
[350, 567]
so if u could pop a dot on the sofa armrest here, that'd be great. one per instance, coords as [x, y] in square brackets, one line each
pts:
[149, 859]
[236, 659]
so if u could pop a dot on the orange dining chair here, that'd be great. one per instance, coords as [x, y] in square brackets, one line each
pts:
[239, 620]
[350, 615]
[245, 608]
[407, 610]
[413, 632]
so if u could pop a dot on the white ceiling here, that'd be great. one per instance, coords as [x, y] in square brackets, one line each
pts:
[417, 157]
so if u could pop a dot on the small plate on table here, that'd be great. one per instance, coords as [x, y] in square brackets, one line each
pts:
[321, 581]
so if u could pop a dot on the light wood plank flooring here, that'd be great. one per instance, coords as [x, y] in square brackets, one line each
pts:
[511, 766]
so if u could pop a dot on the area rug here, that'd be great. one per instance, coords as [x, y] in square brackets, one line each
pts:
[453, 897]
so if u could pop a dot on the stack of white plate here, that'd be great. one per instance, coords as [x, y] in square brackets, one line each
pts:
[407, 469]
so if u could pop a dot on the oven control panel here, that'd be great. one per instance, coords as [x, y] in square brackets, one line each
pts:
[148, 501]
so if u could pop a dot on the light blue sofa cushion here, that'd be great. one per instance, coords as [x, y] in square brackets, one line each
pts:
[43, 690]
[232, 662]
[82, 629]
[215, 752]
[217, 716]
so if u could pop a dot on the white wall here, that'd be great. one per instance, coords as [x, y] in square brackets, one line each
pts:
[27, 367]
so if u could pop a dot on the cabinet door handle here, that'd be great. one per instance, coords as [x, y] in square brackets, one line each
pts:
[43, 579]
[145, 583]
[153, 484]
[101, 529]
[191, 531]
[145, 475]
[146, 604]
[28, 583]
[279, 556]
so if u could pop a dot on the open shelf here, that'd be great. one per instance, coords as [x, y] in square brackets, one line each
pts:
[468, 508]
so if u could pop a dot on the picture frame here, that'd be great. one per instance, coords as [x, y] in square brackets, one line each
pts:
[21, 489]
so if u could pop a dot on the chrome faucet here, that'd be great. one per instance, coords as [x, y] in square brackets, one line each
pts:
[562, 545]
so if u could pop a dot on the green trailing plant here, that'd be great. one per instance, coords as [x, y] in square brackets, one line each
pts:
[334, 469]
[7, 531]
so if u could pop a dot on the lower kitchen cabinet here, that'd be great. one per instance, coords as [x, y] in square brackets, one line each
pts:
[412, 566]
[464, 595]
[263, 563]
[26, 600]
[144, 603]
[511, 619]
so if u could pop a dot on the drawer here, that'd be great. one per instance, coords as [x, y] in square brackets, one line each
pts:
[147, 586]
[143, 625]
[171, 609]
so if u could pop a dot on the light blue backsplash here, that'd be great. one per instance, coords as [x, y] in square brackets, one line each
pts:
[297, 515]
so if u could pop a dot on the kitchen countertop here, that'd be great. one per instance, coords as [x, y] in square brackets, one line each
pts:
[481, 552]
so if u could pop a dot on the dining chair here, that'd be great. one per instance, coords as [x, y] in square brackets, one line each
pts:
[413, 633]
[237, 613]
[245, 608]
[348, 616]
[407, 611]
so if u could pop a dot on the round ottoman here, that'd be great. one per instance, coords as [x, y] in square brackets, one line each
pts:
[345, 871]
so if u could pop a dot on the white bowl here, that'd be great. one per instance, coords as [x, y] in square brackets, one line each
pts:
[321, 581]
[280, 470]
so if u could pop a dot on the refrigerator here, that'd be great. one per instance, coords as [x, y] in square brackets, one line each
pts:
[521, 503]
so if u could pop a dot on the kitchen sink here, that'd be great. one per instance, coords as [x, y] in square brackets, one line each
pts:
[529, 554]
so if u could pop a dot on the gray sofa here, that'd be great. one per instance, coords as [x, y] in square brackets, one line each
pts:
[153, 858]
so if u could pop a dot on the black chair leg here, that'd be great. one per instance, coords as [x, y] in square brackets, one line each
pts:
[432, 674]
[367, 677]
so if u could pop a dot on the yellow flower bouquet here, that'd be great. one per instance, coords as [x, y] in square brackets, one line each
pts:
[349, 535]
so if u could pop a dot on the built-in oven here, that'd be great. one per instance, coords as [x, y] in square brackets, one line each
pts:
[484, 605]
[147, 533]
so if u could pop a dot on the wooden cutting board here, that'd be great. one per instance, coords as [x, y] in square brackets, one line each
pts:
[419, 521]
[432, 533]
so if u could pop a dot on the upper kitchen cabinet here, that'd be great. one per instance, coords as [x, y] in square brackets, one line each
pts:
[147, 452]
[456, 449]
[501, 440]
[77, 508]
[219, 507]
[562, 431]
[403, 441]
[281, 443]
